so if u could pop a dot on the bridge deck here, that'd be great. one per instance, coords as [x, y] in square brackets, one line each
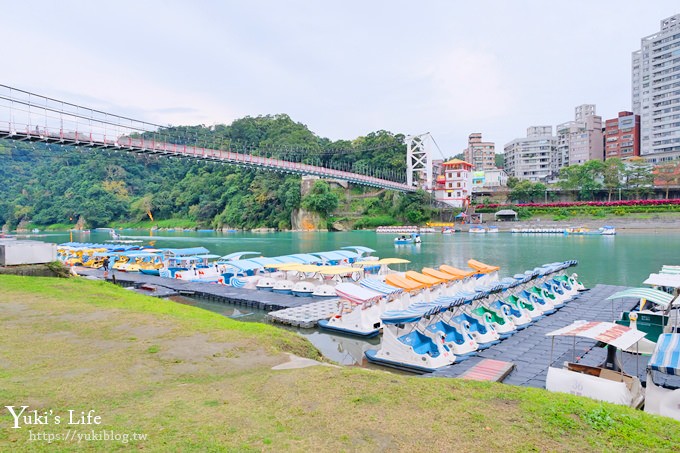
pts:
[147, 146]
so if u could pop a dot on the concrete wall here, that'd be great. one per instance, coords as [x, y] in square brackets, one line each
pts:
[13, 253]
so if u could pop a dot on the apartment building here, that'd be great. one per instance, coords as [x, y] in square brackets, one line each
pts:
[656, 92]
[530, 157]
[622, 136]
[482, 155]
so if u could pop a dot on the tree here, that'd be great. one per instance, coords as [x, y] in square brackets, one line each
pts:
[584, 178]
[320, 199]
[512, 182]
[667, 175]
[613, 174]
[638, 176]
[500, 160]
[524, 191]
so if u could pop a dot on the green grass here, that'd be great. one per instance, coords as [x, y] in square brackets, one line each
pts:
[197, 381]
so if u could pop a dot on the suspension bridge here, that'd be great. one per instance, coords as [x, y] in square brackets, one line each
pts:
[26, 116]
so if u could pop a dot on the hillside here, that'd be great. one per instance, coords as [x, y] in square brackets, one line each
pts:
[49, 184]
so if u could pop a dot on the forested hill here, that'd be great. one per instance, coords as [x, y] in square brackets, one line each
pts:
[50, 184]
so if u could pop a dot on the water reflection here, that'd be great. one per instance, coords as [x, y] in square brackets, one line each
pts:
[338, 348]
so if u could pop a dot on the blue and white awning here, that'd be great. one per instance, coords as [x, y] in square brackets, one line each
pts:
[380, 286]
[238, 255]
[414, 313]
[666, 357]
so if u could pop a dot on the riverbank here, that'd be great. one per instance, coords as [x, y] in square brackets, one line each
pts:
[634, 223]
[194, 380]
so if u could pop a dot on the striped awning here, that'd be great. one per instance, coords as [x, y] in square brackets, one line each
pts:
[413, 313]
[653, 295]
[380, 286]
[668, 280]
[356, 293]
[666, 357]
[622, 337]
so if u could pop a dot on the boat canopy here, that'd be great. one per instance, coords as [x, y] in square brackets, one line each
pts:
[439, 274]
[330, 256]
[207, 256]
[335, 270]
[656, 296]
[455, 271]
[422, 278]
[359, 249]
[244, 265]
[668, 280]
[619, 336]
[264, 261]
[346, 253]
[356, 293]
[299, 267]
[187, 251]
[414, 313]
[384, 261]
[237, 255]
[303, 257]
[509, 282]
[289, 266]
[380, 286]
[403, 282]
[666, 356]
[450, 301]
[666, 269]
[481, 267]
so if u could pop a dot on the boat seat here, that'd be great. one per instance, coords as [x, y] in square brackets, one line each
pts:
[475, 325]
[451, 334]
[420, 343]
[482, 311]
[514, 311]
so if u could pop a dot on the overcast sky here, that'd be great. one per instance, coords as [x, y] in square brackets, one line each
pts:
[343, 68]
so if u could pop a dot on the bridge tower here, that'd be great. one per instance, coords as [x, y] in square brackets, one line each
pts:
[419, 160]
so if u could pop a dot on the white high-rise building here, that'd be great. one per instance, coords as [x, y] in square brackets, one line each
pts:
[656, 92]
[531, 157]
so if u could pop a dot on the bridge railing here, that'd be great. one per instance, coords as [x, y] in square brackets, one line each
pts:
[97, 139]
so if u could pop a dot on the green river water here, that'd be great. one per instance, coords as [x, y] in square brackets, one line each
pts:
[626, 259]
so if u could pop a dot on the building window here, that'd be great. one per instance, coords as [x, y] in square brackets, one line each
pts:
[449, 194]
[458, 175]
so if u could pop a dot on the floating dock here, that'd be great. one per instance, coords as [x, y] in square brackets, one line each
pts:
[305, 316]
[530, 350]
[261, 300]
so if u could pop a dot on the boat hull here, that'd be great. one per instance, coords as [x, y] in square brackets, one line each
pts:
[324, 324]
[372, 357]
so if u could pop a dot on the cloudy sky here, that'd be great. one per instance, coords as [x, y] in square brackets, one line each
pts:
[343, 68]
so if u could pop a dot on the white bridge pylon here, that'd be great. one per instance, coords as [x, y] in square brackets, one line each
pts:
[419, 161]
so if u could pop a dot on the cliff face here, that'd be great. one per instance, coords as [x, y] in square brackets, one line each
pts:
[302, 220]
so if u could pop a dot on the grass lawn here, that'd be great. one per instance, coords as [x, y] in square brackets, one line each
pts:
[194, 380]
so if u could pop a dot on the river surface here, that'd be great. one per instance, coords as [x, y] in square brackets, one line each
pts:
[625, 259]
